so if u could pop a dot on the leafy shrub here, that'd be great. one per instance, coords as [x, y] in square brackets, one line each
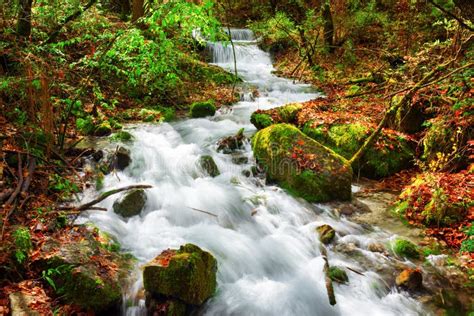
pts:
[405, 248]
[23, 244]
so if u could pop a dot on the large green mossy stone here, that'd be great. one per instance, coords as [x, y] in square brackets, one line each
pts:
[283, 114]
[188, 274]
[279, 149]
[390, 154]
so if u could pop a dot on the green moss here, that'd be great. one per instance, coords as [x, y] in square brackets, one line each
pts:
[131, 203]
[391, 155]
[202, 109]
[190, 275]
[149, 115]
[330, 178]
[338, 275]
[103, 129]
[261, 120]
[326, 233]
[288, 112]
[121, 136]
[405, 248]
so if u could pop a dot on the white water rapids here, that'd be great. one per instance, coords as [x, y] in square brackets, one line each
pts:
[264, 240]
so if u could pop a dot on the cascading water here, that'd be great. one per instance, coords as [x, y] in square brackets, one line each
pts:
[263, 239]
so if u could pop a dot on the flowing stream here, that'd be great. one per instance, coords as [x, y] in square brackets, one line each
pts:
[264, 240]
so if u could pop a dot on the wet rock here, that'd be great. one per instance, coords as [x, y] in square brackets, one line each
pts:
[208, 164]
[239, 160]
[301, 165]
[410, 279]
[131, 204]
[392, 154]
[202, 109]
[187, 274]
[405, 248]
[246, 173]
[230, 144]
[123, 136]
[261, 120]
[104, 129]
[326, 233]
[376, 247]
[163, 306]
[121, 159]
[338, 274]
[85, 272]
[348, 249]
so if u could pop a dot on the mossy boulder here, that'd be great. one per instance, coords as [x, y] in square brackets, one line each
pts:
[405, 248]
[84, 271]
[202, 109]
[338, 274]
[390, 154]
[187, 274]
[122, 136]
[131, 204]
[283, 114]
[208, 164]
[103, 129]
[326, 233]
[301, 165]
[410, 279]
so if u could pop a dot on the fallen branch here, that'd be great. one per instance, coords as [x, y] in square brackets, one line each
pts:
[201, 211]
[103, 196]
[329, 286]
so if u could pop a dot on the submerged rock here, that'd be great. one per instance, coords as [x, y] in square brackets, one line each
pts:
[301, 165]
[202, 109]
[390, 154]
[410, 279]
[208, 164]
[230, 144]
[187, 274]
[131, 204]
[326, 233]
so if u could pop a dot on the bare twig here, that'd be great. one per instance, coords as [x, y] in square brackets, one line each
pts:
[201, 211]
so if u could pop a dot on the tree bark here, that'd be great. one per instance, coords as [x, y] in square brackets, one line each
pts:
[328, 25]
[137, 9]
[24, 18]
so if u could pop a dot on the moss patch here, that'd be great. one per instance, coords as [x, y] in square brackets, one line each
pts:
[188, 274]
[405, 248]
[338, 275]
[301, 165]
[202, 109]
[390, 154]
[283, 114]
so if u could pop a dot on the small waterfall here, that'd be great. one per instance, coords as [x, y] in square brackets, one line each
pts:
[263, 239]
[240, 34]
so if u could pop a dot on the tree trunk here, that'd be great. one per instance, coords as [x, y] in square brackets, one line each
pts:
[328, 25]
[137, 10]
[24, 18]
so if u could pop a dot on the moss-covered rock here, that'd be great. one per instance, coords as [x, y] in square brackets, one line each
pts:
[338, 274]
[150, 115]
[165, 307]
[326, 233]
[405, 248]
[131, 204]
[390, 154]
[202, 109]
[187, 274]
[261, 120]
[410, 279]
[70, 264]
[208, 164]
[103, 129]
[123, 136]
[283, 114]
[301, 165]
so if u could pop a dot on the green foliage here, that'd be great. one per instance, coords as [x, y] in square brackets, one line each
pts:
[123, 136]
[62, 185]
[468, 244]
[60, 272]
[23, 245]
[338, 275]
